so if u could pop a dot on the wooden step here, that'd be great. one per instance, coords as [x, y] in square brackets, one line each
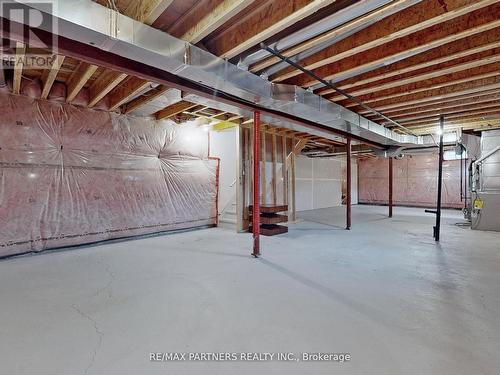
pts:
[272, 218]
[271, 229]
[271, 208]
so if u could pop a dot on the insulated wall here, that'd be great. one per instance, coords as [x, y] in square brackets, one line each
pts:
[70, 175]
[414, 184]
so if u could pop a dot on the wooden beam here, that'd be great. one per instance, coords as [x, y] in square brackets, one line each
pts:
[449, 111]
[444, 110]
[206, 17]
[269, 19]
[145, 98]
[442, 106]
[174, 109]
[125, 92]
[106, 82]
[18, 67]
[297, 148]
[476, 125]
[418, 42]
[331, 34]
[78, 79]
[433, 86]
[454, 116]
[474, 95]
[460, 49]
[411, 20]
[147, 11]
[441, 93]
[461, 121]
[474, 61]
[425, 85]
[49, 75]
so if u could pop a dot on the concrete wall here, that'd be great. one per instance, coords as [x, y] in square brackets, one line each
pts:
[318, 183]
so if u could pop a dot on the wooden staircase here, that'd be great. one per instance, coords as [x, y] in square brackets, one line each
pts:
[270, 216]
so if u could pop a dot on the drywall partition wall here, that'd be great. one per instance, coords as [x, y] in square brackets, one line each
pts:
[415, 181]
[318, 183]
[223, 146]
[71, 175]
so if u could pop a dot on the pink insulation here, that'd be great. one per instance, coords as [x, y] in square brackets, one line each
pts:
[415, 181]
[70, 175]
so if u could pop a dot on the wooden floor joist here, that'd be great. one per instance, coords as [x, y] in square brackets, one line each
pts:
[146, 11]
[106, 82]
[418, 42]
[444, 105]
[267, 20]
[130, 88]
[146, 98]
[336, 32]
[477, 60]
[414, 19]
[205, 18]
[18, 67]
[454, 116]
[49, 75]
[78, 80]
[449, 111]
[441, 93]
[174, 109]
[460, 49]
[418, 87]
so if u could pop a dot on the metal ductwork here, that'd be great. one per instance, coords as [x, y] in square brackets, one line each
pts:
[90, 23]
[390, 152]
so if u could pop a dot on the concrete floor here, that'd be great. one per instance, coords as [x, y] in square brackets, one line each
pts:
[383, 292]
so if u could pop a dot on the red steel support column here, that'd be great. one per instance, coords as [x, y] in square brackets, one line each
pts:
[256, 185]
[390, 186]
[349, 189]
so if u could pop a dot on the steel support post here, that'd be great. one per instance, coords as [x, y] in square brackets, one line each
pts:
[349, 183]
[391, 171]
[256, 185]
[437, 228]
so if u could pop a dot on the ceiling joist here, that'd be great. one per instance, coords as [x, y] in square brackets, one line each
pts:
[174, 109]
[414, 19]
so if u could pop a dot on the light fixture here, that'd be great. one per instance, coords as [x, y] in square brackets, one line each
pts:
[439, 131]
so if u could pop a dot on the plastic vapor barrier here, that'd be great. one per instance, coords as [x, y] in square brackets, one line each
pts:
[70, 176]
[414, 184]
